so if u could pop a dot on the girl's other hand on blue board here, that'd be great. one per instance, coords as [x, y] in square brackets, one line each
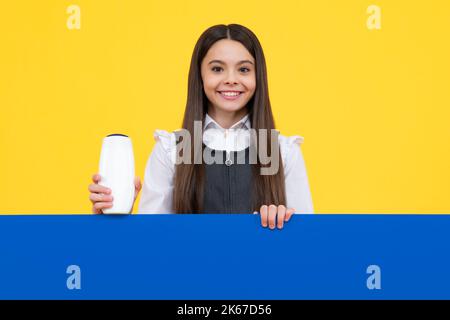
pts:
[272, 215]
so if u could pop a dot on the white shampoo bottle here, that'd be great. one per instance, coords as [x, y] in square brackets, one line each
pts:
[116, 170]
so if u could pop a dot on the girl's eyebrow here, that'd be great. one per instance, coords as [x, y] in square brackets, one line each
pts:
[221, 62]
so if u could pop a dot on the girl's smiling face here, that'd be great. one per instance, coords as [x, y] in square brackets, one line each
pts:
[228, 74]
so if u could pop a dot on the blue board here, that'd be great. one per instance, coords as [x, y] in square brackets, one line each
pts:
[224, 257]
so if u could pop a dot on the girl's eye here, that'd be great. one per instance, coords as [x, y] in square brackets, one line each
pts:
[216, 69]
[245, 70]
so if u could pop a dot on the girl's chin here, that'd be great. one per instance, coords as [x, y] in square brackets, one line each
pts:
[230, 107]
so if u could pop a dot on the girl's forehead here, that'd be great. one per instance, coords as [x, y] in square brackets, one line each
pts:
[228, 51]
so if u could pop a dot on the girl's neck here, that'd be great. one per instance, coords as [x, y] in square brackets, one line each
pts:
[226, 118]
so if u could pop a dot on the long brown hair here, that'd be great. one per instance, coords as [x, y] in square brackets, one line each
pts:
[189, 178]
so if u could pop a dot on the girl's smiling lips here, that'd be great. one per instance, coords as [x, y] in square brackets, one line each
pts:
[230, 94]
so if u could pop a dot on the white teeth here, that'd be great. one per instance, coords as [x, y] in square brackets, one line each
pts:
[230, 94]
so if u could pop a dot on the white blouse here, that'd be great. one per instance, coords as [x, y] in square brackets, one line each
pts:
[157, 187]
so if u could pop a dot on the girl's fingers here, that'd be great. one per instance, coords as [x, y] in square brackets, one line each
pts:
[272, 216]
[96, 178]
[137, 187]
[280, 216]
[137, 184]
[96, 211]
[102, 205]
[264, 215]
[275, 216]
[99, 197]
[96, 188]
[289, 213]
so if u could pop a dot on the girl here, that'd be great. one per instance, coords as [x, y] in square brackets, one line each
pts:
[228, 97]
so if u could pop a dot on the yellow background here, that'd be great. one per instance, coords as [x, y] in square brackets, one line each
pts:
[372, 105]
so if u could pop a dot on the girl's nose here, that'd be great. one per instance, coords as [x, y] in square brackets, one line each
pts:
[230, 78]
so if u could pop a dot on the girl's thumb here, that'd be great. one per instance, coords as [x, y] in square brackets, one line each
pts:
[137, 183]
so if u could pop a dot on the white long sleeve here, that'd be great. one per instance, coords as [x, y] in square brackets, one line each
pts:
[298, 194]
[157, 187]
